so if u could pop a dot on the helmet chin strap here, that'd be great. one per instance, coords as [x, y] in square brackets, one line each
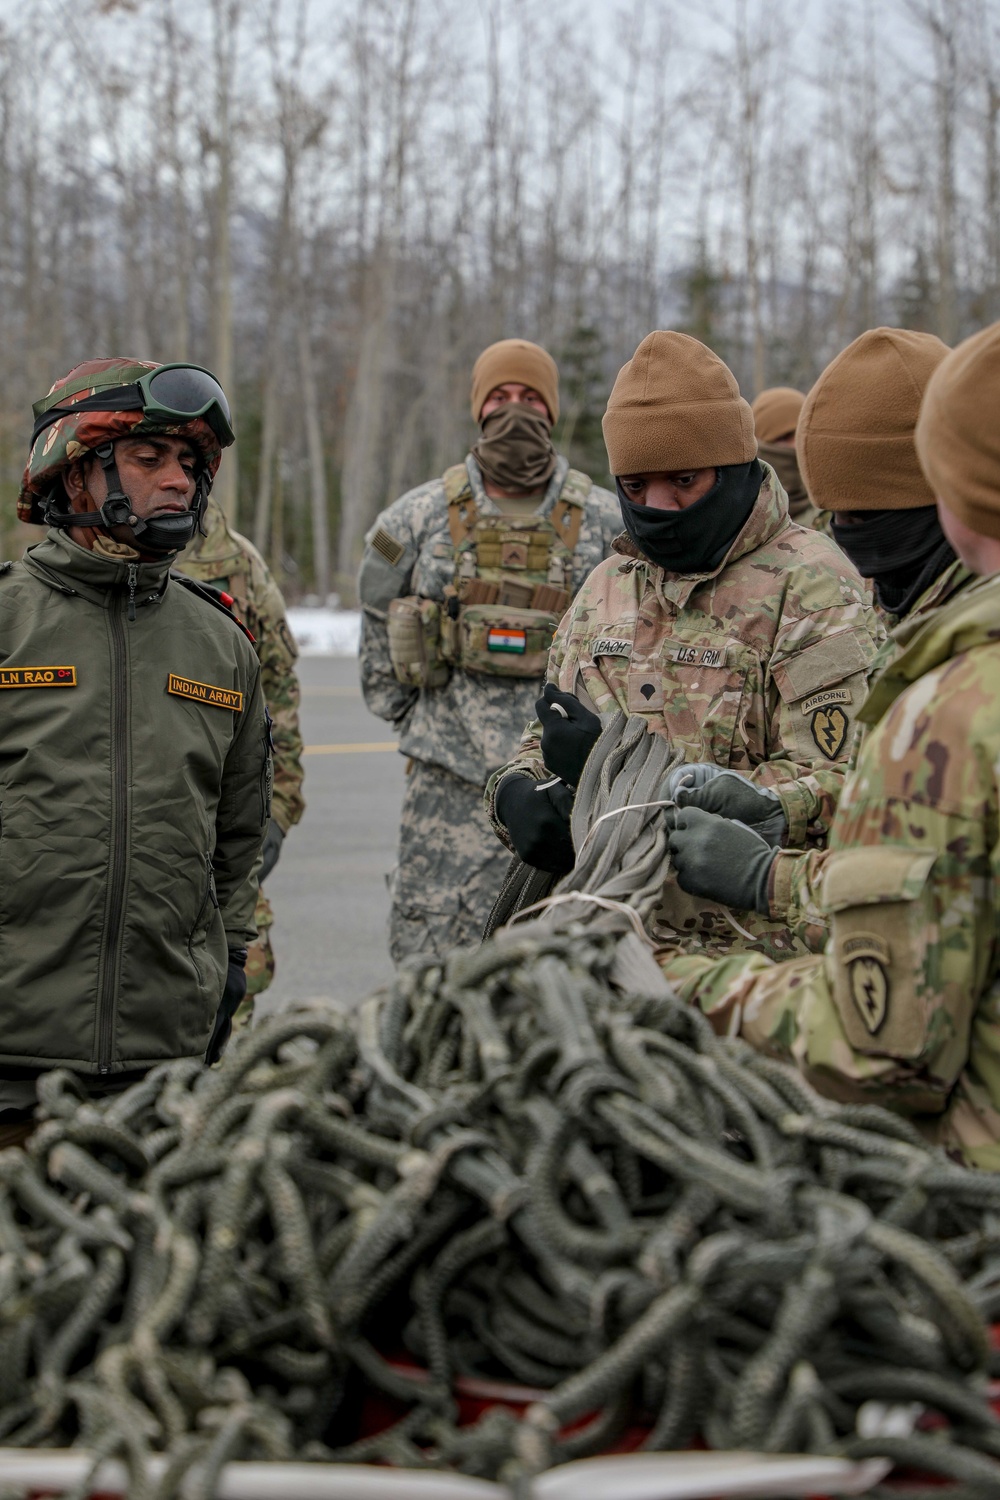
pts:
[159, 535]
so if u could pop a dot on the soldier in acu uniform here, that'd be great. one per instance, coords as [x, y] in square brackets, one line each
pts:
[903, 1006]
[228, 561]
[135, 773]
[743, 638]
[462, 584]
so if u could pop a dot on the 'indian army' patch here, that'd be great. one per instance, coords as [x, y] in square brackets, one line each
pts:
[28, 677]
[866, 956]
[203, 692]
[829, 729]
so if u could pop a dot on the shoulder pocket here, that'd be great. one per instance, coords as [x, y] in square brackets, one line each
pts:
[381, 580]
[879, 931]
[820, 665]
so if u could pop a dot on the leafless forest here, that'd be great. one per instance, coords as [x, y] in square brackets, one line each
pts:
[336, 203]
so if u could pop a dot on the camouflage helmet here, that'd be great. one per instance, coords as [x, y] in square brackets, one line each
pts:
[68, 439]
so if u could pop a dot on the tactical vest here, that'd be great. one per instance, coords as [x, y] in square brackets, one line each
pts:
[511, 585]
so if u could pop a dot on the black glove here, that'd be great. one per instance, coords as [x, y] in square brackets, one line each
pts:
[537, 818]
[234, 992]
[273, 840]
[732, 796]
[721, 860]
[569, 733]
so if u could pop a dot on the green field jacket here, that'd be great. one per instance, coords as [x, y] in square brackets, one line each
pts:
[134, 793]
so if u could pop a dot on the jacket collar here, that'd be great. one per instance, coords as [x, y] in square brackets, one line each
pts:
[971, 618]
[63, 564]
[486, 506]
[768, 517]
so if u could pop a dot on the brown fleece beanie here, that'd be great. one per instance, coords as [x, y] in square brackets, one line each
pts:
[516, 360]
[855, 434]
[675, 405]
[958, 434]
[776, 412]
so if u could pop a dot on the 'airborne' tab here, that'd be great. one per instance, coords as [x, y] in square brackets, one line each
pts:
[37, 677]
[204, 692]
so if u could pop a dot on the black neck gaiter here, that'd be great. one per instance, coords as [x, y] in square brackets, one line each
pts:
[901, 551]
[695, 540]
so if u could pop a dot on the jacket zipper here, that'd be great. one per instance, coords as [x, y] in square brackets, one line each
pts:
[119, 819]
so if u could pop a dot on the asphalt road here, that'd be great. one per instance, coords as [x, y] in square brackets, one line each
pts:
[328, 890]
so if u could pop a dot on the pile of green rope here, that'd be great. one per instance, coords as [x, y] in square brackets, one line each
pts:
[514, 1167]
[530, 1163]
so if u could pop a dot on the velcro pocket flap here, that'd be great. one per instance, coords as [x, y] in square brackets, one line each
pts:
[830, 660]
[874, 875]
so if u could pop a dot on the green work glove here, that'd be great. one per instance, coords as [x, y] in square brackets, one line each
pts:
[721, 860]
[694, 775]
[731, 796]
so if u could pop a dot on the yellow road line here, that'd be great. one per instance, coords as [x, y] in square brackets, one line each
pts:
[351, 749]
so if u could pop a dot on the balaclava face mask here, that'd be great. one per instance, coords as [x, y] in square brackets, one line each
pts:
[901, 551]
[784, 461]
[695, 540]
[515, 447]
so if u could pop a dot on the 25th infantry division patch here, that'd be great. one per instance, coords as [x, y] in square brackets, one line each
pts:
[829, 729]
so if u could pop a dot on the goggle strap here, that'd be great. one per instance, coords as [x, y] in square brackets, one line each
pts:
[123, 398]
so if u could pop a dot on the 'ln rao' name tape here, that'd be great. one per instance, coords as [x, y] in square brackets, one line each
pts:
[507, 640]
[204, 692]
[37, 677]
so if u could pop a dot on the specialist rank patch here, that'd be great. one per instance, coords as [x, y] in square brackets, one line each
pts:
[204, 692]
[37, 677]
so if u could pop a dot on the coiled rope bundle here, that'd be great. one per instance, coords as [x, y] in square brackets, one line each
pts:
[532, 1162]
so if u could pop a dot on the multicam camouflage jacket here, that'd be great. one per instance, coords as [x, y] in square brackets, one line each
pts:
[472, 723]
[759, 667]
[903, 1008]
[227, 559]
[797, 876]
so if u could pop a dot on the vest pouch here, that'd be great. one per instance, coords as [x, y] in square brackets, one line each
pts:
[500, 641]
[414, 629]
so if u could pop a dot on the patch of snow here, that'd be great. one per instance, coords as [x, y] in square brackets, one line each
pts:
[325, 632]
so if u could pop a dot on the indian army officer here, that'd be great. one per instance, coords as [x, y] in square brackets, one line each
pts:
[775, 415]
[903, 1006]
[745, 639]
[135, 770]
[856, 438]
[462, 585]
[222, 557]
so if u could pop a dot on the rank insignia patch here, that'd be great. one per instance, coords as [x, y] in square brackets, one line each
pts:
[203, 692]
[37, 677]
[829, 729]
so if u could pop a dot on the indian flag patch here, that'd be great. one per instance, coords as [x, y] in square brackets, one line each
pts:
[507, 640]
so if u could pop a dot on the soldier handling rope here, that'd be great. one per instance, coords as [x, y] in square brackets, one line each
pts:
[903, 1006]
[743, 638]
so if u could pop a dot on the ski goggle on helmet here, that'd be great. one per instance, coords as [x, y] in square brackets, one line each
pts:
[170, 393]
